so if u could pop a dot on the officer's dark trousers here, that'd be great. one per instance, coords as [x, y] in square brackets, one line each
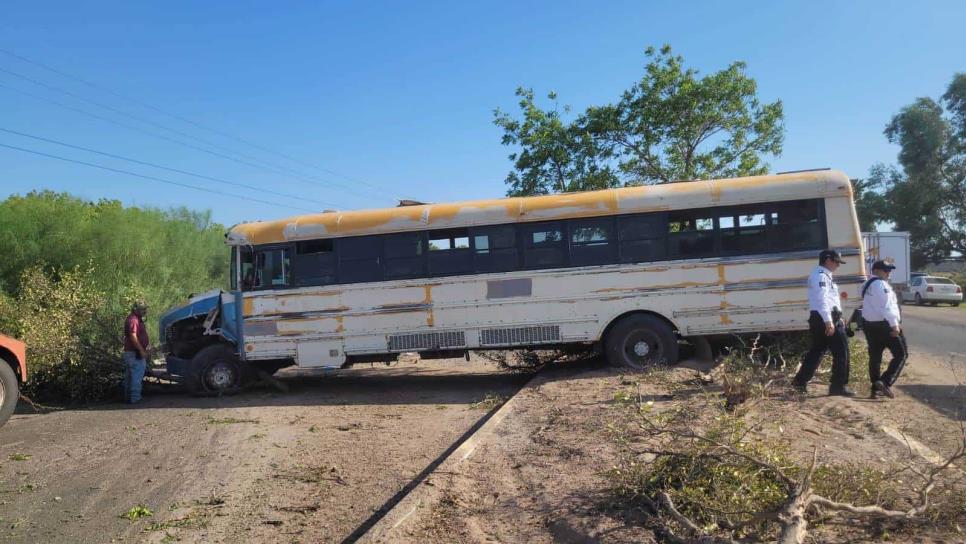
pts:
[838, 344]
[878, 337]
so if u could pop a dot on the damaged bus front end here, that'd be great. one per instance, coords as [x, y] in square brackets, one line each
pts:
[207, 325]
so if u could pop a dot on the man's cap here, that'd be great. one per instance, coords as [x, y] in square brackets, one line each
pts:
[830, 254]
[883, 265]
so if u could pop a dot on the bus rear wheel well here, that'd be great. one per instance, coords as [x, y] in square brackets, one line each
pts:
[624, 315]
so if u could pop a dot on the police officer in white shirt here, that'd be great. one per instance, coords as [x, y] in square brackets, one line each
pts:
[826, 327]
[880, 321]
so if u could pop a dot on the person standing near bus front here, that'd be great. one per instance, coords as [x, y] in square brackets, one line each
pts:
[880, 316]
[136, 346]
[826, 327]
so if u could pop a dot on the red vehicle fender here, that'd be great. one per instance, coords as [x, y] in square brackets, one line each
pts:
[11, 348]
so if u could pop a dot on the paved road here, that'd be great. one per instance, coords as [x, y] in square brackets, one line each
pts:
[939, 330]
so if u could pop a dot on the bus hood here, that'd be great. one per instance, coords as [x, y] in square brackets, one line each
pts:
[197, 305]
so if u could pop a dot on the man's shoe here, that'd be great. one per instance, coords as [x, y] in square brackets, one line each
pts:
[801, 389]
[881, 387]
[841, 392]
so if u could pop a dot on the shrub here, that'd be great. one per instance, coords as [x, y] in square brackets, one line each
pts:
[73, 333]
[70, 270]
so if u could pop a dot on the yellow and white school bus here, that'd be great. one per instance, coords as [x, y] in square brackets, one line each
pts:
[634, 269]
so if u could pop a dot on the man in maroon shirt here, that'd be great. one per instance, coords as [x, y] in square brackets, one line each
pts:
[136, 346]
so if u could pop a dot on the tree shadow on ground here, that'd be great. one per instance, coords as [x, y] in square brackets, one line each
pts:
[948, 400]
[365, 386]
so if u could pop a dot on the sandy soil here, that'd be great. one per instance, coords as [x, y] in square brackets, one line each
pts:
[310, 465]
[543, 478]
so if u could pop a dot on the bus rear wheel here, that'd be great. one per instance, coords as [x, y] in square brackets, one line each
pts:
[638, 341]
[217, 370]
[9, 391]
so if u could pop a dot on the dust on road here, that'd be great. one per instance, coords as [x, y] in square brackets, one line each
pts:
[308, 465]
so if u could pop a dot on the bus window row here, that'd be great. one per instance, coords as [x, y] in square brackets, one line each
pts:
[634, 238]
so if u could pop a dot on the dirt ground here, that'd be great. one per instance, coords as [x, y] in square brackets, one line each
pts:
[318, 463]
[310, 465]
[542, 478]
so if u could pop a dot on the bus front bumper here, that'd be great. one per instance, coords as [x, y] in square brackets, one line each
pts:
[177, 366]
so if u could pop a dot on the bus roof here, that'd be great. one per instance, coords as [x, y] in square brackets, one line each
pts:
[648, 198]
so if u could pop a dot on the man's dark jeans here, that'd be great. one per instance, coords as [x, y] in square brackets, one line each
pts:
[877, 334]
[838, 344]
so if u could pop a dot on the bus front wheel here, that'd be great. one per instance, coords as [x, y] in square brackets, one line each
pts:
[638, 341]
[217, 370]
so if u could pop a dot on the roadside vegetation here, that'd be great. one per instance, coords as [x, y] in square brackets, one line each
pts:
[721, 467]
[70, 271]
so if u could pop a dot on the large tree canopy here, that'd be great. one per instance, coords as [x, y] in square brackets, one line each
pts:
[927, 194]
[670, 125]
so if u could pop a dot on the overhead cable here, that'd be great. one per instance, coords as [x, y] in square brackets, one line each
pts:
[161, 167]
[182, 118]
[261, 163]
[145, 132]
[153, 178]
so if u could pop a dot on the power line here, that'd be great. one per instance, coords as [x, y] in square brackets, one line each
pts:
[135, 128]
[183, 119]
[153, 178]
[263, 164]
[152, 165]
[143, 131]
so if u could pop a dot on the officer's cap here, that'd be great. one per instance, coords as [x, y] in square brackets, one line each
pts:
[830, 254]
[883, 265]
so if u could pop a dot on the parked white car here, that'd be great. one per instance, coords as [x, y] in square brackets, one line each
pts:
[932, 289]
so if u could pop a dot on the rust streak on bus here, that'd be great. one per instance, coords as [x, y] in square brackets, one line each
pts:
[428, 301]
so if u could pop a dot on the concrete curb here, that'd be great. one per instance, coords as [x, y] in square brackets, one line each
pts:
[394, 524]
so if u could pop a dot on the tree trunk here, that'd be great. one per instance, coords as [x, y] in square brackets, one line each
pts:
[794, 524]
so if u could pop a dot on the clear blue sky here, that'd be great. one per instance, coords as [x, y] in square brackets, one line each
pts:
[401, 95]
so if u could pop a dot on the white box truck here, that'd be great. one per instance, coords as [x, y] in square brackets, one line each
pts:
[892, 246]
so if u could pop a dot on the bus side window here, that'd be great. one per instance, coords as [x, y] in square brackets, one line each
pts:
[449, 252]
[360, 259]
[690, 233]
[404, 255]
[272, 268]
[642, 237]
[592, 241]
[314, 263]
[796, 225]
[743, 230]
[544, 245]
[495, 249]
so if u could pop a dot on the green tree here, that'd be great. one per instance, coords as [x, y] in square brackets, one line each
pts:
[927, 196]
[670, 125]
[870, 203]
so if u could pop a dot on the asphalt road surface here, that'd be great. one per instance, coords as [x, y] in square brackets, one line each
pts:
[938, 330]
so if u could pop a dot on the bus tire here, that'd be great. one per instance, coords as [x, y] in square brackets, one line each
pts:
[9, 391]
[216, 370]
[638, 341]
